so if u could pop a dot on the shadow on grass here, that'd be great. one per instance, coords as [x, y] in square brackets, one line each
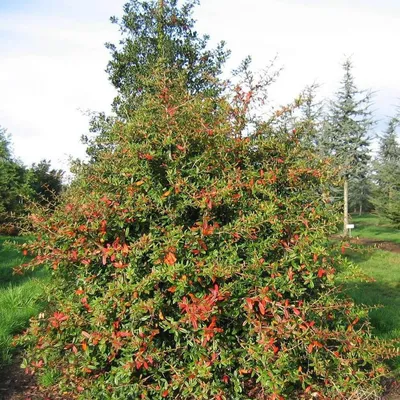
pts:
[21, 296]
[359, 253]
[384, 300]
[10, 258]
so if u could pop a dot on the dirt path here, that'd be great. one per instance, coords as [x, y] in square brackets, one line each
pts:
[16, 385]
[379, 244]
[14, 381]
[393, 391]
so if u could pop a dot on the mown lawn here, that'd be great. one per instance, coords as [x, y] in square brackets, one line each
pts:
[371, 226]
[384, 268]
[20, 297]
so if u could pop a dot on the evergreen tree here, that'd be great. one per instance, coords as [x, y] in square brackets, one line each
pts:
[20, 185]
[5, 151]
[12, 177]
[155, 32]
[312, 116]
[360, 189]
[345, 136]
[160, 31]
[387, 167]
[45, 183]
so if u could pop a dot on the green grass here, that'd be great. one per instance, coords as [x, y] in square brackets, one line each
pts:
[20, 297]
[384, 268]
[373, 227]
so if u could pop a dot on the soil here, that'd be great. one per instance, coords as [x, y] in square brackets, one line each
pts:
[392, 391]
[15, 384]
[379, 244]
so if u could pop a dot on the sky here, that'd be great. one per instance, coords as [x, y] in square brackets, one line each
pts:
[53, 59]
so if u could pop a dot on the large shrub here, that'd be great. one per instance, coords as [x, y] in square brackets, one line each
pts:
[190, 262]
[189, 256]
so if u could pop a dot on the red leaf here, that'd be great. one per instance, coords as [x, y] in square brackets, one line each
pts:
[138, 364]
[120, 265]
[261, 308]
[170, 259]
[250, 303]
[290, 274]
[321, 273]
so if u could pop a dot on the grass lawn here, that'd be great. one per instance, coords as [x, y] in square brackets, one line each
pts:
[370, 226]
[384, 268]
[19, 297]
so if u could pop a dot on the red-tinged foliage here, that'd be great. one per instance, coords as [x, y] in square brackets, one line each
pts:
[201, 272]
[170, 259]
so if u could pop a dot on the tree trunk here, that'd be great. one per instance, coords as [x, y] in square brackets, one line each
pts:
[360, 210]
[345, 207]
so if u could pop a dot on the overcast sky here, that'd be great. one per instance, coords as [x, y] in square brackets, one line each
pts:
[52, 58]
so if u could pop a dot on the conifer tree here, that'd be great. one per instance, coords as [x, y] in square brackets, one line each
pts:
[346, 133]
[387, 168]
[360, 189]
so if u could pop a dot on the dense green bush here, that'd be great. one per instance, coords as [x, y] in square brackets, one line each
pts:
[190, 262]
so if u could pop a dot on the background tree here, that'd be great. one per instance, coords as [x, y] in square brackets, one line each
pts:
[312, 113]
[20, 185]
[12, 184]
[387, 174]
[44, 182]
[345, 136]
[360, 192]
[156, 31]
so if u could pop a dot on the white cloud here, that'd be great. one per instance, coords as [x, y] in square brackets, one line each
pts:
[50, 69]
[52, 58]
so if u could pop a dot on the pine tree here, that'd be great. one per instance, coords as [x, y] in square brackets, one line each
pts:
[361, 188]
[387, 167]
[345, 135]
[312, 116]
